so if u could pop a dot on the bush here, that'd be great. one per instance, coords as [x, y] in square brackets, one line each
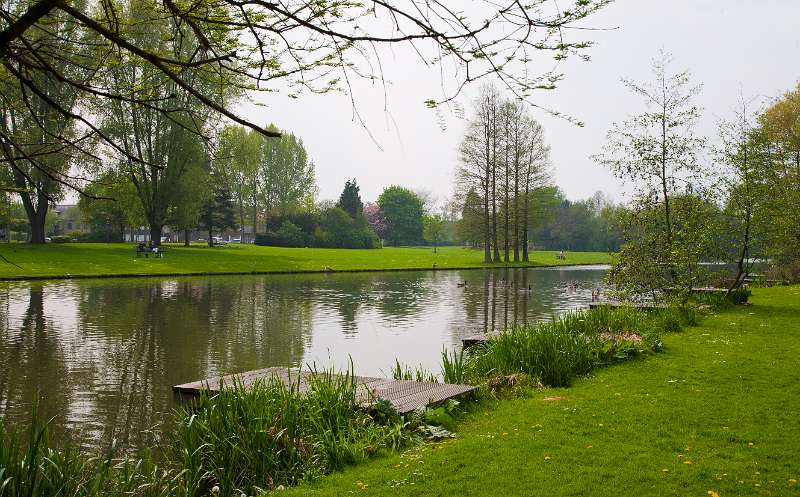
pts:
[338, 230]
[332, 228]
[61, 239]
[291, 234]
[288, 235]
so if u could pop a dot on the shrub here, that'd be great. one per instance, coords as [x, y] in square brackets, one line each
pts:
[337, 229]
[61, 239]
[291, 234]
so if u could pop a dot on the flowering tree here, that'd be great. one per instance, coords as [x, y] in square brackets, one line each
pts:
[375, 219]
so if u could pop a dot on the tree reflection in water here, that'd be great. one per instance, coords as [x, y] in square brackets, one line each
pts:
[102, 354]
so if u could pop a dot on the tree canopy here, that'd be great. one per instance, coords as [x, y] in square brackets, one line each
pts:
[253, 46]
[403, 211]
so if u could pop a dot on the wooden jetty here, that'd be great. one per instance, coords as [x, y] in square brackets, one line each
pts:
[478, 339]
[405, 396]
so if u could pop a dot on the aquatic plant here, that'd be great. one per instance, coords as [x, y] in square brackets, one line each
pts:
[453, 366]
[570, 345]
[239, 441]
[270, 434]
[31, 467]
[404, 373]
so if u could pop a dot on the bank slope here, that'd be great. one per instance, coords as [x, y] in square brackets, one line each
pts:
[716, 411]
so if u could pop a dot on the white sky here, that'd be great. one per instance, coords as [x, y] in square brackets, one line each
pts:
[728, 45]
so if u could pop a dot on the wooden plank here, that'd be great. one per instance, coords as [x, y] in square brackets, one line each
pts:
[405, 396]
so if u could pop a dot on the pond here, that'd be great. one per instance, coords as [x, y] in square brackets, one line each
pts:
[101, 355]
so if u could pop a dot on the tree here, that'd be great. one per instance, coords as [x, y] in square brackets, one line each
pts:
[217, 213]
[286, 174]
[298, 45]
[504, 157]
[777, 141]
[656, 151]
[470, 227]
[160, 141]
[742, 185]
[478, 164]
[39, 137]
[434, 229]
[349, 200]
[238, 160]
[403, 212]
[191, 192]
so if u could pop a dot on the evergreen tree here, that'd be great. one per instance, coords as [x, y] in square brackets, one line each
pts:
[350, 200]
[218, 213]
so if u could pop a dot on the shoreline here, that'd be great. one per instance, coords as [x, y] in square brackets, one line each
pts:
[283, 272]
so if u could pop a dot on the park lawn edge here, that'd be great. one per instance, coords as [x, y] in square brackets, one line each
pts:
[93, 261]
[707, 416]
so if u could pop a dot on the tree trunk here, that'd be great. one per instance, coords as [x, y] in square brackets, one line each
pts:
[186, 237]
[155, 234]
[210, 236]
[37, 215]
[487, 250]
[525, 214]
[516, 199]
[506, 170]
[496, 248]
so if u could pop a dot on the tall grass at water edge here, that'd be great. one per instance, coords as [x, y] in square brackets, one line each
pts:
[237, 442]
[572, 344]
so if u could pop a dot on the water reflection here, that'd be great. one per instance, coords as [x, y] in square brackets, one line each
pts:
[101, 355]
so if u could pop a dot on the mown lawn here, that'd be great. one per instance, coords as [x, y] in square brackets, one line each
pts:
[118, 258]
[717, 411]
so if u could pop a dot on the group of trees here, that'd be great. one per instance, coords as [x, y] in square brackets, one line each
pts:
[504, 161]
[586, 225]
[236, 179]
[740, 206]
[135, 92]
[398, 217]
[759, 155]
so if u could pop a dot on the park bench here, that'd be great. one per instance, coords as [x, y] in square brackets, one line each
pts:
[142, 249]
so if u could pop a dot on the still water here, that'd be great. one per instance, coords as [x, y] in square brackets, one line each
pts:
[102, 355]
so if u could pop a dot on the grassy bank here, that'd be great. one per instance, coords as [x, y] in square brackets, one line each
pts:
[82, 259]
[716, 411]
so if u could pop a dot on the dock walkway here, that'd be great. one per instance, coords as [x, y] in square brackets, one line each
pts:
[405, 396]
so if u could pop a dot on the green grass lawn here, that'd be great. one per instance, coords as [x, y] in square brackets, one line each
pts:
[118, 258]
[717, 411]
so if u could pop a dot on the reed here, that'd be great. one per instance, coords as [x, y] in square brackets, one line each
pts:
[453, 366]
[570, 345]
[404, 373]
[248, 440]
[31, 467]
[240, 441]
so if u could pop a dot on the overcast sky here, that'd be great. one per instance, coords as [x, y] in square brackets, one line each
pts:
[726, 44]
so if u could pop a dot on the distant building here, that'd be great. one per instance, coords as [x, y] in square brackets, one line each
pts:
[68, 220]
